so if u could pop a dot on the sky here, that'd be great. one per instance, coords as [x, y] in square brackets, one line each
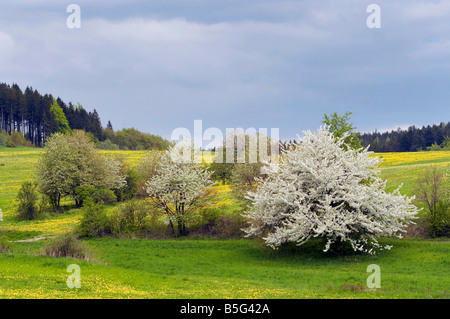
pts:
[158, 65]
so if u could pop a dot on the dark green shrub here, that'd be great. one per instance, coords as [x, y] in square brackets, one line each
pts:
[94, 222]
[83, 193]
[221, 171]
[67, 245]
[439, 222]
[212, 222]
[129, 191]
[136, 219]
[28, 198]
[96, 195]
[104, 196]
[155, 227]
[131, 218]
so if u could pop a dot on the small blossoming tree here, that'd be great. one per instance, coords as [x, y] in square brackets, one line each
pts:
[71, 161]
[179, 186]
[323, 190]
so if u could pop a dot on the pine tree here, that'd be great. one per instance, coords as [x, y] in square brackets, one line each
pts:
[109, 126]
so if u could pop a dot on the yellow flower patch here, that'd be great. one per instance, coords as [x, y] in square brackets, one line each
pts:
[408, 158]
[46, 226]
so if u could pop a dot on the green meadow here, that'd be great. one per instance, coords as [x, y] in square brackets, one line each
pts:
[207, 267]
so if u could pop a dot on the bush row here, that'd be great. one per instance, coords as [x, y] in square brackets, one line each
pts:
[136, 219]
[13, 140]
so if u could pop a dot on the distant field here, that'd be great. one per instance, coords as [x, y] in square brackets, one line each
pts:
[406, 168]
[210, 268]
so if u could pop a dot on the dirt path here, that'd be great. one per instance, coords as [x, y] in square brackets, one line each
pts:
[32, 239]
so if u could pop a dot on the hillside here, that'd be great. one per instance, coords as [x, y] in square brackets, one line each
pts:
[197, 267]
[27, 118]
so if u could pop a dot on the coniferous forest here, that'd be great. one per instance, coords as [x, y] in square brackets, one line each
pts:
[430, 137]
[29, 116]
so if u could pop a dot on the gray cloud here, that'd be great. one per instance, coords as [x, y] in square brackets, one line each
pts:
[162, 64]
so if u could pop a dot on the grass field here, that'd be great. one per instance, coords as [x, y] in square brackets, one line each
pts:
[193, 268]
[213, 268]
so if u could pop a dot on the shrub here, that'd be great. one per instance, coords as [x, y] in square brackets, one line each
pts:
[28, 198]
[104, 196]
[231, 226]
[129, 191]
[212, 222]
[221, 171]
[431, 189]
[3, 138]
[67, 245]
[135, 219]
[205, 221]
[94, 222]
[97, 195]
[18, 139]
[131, 218]
[439, 223]
[5, 245]
[244, 178]
[417, 230]
[108, 145]
[147, 168]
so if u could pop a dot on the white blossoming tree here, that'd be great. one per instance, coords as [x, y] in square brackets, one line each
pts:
[70, 161]
[323, 190]
[179, 186]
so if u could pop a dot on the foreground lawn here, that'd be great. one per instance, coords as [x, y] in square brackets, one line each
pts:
[207, 268]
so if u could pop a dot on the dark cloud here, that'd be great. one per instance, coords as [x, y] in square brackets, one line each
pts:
[158, 65]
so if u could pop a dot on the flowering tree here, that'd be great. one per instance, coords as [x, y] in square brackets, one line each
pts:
[180, 185]
[71, 161]
[321, 189]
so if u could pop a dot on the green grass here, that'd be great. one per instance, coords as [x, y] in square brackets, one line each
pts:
[212, 268]
[206, 268]
[406, 175]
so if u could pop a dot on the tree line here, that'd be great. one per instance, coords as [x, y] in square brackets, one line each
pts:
[30, 113]
[431, 137]
[29, 116]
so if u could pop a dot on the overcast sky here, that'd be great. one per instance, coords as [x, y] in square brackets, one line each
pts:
[161, 64]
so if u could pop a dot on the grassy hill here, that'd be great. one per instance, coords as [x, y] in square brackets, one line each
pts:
[208, 267]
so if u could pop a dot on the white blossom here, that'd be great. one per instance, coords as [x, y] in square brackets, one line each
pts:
[179, 184]
[323, 190]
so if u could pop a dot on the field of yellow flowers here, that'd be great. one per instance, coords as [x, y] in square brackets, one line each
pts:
[17, 165]
[211, 268]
